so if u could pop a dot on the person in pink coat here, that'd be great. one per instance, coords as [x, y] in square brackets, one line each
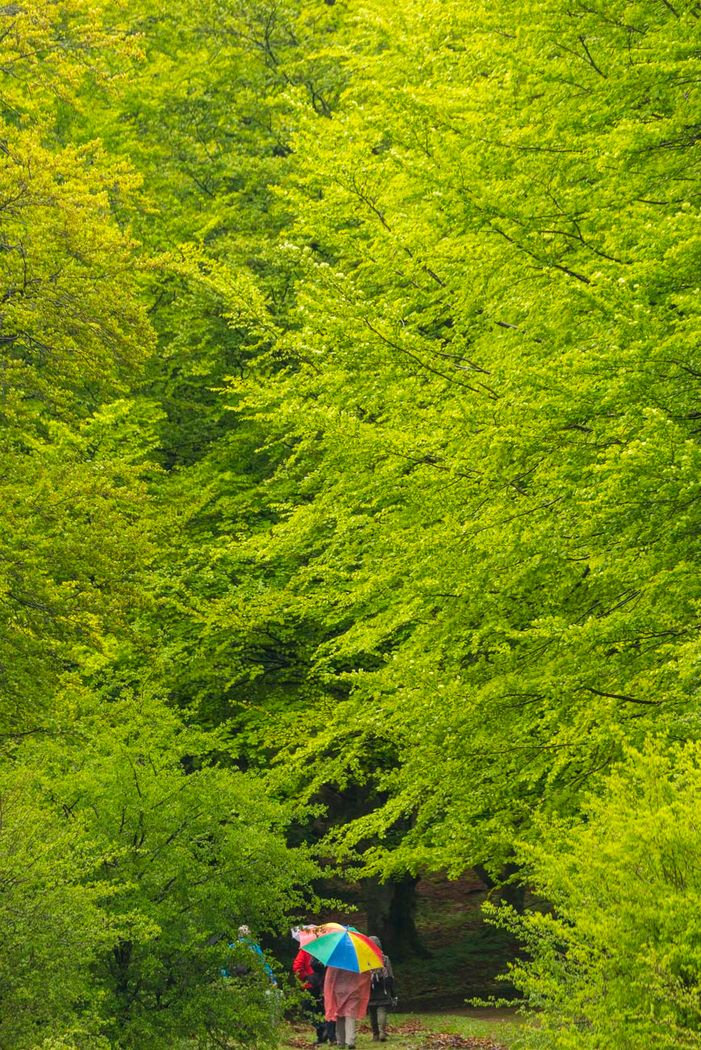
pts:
[346, 997]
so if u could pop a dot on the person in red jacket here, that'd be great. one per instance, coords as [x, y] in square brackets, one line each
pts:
[310, 974]
[302, 967]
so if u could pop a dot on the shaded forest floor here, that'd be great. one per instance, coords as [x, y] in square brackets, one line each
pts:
[466, 955]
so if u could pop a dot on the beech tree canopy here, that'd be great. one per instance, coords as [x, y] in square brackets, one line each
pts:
[350, 445]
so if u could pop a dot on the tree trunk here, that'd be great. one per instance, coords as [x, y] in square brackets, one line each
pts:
[391, 908]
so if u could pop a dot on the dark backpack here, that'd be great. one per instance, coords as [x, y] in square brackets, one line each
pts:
[316, 978]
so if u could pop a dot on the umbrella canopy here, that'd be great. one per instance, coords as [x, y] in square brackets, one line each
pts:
[346, 949]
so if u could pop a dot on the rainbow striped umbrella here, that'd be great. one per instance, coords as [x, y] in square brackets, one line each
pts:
[346, 949]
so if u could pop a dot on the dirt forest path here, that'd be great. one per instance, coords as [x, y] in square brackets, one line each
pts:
[461, 1030]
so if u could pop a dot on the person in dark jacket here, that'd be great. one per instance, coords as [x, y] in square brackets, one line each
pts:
[310, 974]
[382, 996]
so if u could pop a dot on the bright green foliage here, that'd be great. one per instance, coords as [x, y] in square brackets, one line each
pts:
[491, 409]
[129, 849]
[194, 851]
[455, 489]
[407, 493]
[73, 332]
[207, 120]
[53, 925]
[72, 326]
[151, 854]
[616, 963]
[73, 544]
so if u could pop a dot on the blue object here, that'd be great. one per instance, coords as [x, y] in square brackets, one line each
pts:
[254, 947]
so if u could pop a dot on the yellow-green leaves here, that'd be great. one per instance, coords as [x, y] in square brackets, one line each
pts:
[616, 963]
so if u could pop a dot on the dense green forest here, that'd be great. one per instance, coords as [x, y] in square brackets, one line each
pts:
[350, 466]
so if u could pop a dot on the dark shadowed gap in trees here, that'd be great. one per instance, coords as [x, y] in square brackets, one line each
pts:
[508, 889]
[391, 910]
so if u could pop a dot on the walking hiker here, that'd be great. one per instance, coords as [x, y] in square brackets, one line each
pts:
[346, 996]
[310, 974]
[381, 996]
[246, 938]
[241, 968]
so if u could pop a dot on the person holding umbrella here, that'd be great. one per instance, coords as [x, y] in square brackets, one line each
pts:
[349, 957]
[346, 998]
